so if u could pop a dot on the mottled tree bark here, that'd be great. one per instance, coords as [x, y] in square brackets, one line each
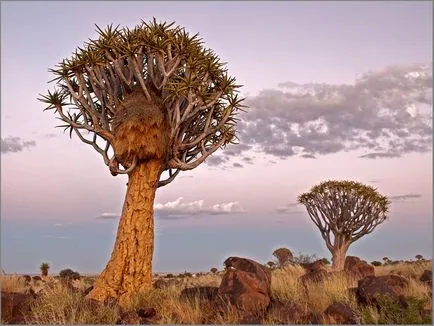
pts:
[339, 253]
[130, 267]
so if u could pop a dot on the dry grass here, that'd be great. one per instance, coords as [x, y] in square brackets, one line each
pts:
[12, 283]
[59, 305]
[410, 270]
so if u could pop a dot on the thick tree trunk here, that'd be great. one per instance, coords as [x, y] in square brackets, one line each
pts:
[338, 257]
[130, 267]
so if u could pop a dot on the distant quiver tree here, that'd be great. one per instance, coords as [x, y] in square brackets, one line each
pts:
[344, 211]
[152, 101]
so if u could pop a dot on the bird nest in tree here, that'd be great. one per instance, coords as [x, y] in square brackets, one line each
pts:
[140, 128]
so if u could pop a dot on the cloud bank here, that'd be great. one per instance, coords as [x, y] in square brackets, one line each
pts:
[385, 113]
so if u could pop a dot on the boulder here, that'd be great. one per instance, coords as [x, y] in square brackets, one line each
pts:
[207, 293]
[341, 313]
[14, 307]
[315, 266]
[426, 277]
[358, 268]
[371, 287]
[246, 285]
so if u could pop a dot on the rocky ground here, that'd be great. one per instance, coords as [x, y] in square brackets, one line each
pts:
[245, 293]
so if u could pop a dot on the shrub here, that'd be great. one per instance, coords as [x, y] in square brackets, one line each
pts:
[69, 273]
[390, 312]
[213, 270]
[376, 263]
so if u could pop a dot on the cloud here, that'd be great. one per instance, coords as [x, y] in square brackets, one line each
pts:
[387, 113]
[381, 155]
[404, 197]
[237, 165]
[287, 209]
[177, 209]
[108, 216]
[215, 160]
[15, 144]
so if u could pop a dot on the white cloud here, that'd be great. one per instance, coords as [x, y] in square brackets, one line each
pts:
[108, 216]
[176, 209]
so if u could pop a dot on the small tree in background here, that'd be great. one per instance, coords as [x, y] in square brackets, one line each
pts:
[344, 211]
[44, 269]
[149, 100]
[376, 263]
[213, 270]
[419, 257]
[283, 256]
[271, 264]
[386, 260]
[301, 258]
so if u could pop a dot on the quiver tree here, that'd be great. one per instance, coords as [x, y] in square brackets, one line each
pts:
[283, 256]
[344, 211]
[152, 101]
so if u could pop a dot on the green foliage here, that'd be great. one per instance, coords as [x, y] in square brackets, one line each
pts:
[389, 311]
[283, 255]
[333, 188]
[44, 266]
[325, 261]
[213, 270]
[376, 263]
[419, 257]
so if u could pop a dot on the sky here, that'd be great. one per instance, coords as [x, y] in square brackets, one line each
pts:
[336, 90]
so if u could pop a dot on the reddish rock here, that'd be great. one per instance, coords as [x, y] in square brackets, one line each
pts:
[389, 285]
[315, 266]
[208, 293]
[341, 313]
[246, 286]
[14, 307]
[358, 268]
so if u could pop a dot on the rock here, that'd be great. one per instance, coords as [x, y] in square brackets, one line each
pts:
[341, 313]
[14, 306]
[316, 276]
[129, 318]
[358, 268]
[146, 312]
[390, 285]
[286, 313]
[246, 285]
[208, 293]
[315, 266]
[426, 277]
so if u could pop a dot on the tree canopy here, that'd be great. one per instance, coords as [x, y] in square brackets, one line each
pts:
[169, 68]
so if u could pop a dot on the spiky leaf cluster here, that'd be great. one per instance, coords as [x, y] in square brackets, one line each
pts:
[347, 209]
[163, 60]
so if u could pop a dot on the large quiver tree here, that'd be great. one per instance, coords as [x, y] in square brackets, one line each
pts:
[149, 100]
[344, 211]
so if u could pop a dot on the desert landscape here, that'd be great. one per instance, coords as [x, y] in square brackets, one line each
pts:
[245, 292]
